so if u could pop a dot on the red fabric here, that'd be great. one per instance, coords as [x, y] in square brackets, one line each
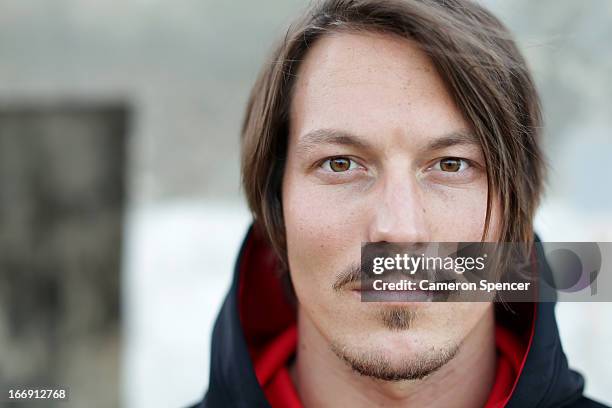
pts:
[264, 311]
[268, 322]
[511, 354]
[273, 374]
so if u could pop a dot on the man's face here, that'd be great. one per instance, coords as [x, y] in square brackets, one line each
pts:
[378, 151]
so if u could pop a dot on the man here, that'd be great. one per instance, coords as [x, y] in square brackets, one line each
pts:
[385, 121]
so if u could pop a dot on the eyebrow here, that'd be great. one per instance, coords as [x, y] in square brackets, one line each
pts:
[332, 136]
[343, 138]
[460, 137]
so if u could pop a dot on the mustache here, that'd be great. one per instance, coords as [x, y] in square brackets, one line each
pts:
[353, 274]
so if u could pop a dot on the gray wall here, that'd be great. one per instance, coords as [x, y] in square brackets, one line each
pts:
[61, 222]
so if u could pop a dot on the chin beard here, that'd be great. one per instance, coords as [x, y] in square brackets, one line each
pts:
[397, 318]
[380, 367]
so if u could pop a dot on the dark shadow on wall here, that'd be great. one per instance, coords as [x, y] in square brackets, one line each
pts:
[62, 195]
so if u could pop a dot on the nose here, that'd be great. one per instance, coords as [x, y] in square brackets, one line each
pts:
[399, 214]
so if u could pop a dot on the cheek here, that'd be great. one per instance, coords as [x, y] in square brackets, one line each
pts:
[312, 238]
[323, 235]
[310, 220]
[457, 215]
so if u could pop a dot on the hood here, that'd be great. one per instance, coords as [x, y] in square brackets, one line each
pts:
[255, 312]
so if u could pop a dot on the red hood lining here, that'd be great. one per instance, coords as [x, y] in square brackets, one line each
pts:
[263, 307]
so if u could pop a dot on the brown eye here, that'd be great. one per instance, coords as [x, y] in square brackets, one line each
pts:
[451, 165]
[339, 164]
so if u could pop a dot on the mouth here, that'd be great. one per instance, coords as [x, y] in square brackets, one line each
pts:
[397, 291]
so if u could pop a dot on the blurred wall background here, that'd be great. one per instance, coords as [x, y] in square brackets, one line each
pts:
[182, 70]
[61, 219]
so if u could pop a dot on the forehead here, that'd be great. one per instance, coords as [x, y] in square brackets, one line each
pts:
[372, 84]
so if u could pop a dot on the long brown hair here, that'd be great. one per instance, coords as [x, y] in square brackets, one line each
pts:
[477, 59]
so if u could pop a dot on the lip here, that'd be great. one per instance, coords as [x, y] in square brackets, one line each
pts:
[399, 296]
[395, 296]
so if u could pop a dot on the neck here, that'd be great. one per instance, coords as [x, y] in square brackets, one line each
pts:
[323, 380]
